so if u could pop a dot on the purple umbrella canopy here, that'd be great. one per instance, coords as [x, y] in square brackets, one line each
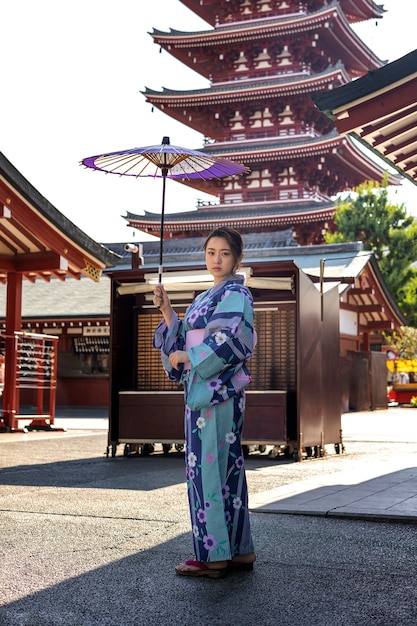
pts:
[164, 161]
[179, 163]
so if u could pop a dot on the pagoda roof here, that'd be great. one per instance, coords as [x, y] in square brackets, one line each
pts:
[265, 214]
[380, 110]
[339, 152]
[355, 10]
[332, 145]
[335, 32]
[254, 89]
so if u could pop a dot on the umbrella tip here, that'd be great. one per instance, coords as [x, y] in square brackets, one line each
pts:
[165, 140]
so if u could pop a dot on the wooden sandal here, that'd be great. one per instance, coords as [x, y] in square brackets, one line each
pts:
[201, 570]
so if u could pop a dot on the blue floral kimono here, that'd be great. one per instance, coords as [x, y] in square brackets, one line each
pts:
[215, 402]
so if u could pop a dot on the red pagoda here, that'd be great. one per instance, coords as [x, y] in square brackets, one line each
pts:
[264, 59]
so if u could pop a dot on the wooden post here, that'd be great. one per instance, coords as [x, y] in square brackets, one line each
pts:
[11, 398]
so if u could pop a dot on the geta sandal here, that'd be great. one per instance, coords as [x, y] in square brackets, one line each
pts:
[201, 570]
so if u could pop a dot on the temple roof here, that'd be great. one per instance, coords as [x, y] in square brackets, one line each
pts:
[341, 153]
[262, 215]
[330, 21]
[189, 251]
[355, 10]
[258, 247]
[380, 110]
[229, 211]
[283, 148]
[59, 299]
[355, 271]
[216, 213]
[252, 89]
[345, 264]
[333, 146]
[39, 241]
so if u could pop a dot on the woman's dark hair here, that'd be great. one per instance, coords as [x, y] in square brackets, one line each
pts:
[232, 237]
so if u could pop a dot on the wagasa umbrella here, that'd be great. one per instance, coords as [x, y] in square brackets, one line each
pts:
[164, 161]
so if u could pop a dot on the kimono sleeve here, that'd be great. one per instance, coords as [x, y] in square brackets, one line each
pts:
[229, 335]
[168, 340]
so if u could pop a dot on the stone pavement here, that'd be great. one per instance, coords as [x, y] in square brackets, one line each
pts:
[92, 541]
[383, 490]
[357, 494]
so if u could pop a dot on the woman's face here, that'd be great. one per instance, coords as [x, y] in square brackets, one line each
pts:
[220, 260]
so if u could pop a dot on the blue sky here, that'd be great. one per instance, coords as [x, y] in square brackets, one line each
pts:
[72, 75]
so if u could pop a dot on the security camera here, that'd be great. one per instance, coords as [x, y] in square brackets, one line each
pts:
[131, 247]
[136, 251]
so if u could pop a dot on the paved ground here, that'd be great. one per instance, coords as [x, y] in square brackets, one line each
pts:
[89, 540]
[376, 479]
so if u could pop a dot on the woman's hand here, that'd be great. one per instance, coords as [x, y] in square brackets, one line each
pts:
[180, 356]
[160, 298]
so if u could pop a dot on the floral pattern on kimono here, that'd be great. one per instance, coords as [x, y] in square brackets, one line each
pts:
[215, 401]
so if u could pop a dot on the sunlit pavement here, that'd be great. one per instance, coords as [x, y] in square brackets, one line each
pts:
[92, 541]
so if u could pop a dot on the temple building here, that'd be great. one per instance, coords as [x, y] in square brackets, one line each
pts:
[263, 60]
[40, 247]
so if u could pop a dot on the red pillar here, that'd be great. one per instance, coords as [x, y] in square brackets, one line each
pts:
[13, 323]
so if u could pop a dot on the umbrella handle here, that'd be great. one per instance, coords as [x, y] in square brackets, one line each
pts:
[161, 234]
[158, 306]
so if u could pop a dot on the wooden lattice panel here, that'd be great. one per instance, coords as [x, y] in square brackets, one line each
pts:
[150, 373]
[273, 365]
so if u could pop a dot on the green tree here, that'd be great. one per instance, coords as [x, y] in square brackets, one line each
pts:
[404, 342]
[389, 231]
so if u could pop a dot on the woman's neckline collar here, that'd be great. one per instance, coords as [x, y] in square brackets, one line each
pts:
[236, 278]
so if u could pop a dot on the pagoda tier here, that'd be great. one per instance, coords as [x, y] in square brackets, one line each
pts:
[304, 43]
[297, 180]
[215, 11]
[313, 168]
[279, 106]
[265, 59]
[303, 219]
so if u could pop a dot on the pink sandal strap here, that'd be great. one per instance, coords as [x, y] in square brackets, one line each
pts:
[197, 564]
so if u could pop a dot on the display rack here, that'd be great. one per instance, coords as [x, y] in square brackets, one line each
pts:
[31, 365]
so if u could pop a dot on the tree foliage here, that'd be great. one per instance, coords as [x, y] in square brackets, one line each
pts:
[390, 232]
[404, 342]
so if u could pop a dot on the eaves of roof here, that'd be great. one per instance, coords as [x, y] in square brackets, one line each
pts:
[341, 146]
[357, 9]
[272, 26]
[268, 246]
[216, 213]
[369, 84]
[387, 294]
[263, 87]
[380, 110]
[281, 148]
[332, 23]
[52, 215]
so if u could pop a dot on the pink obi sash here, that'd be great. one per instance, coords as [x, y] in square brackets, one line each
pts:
[193, 338]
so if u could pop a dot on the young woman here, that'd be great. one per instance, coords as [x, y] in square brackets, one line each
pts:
[208, 353]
